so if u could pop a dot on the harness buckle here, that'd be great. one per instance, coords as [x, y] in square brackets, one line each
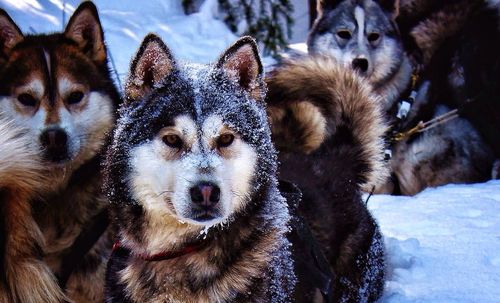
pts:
[403, 109]
[387, 154]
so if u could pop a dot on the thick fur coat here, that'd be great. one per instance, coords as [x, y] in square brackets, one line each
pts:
[58, 90]
[25, 278]
[168, 139]
[329, 130]
[434, 40]
[460, 42]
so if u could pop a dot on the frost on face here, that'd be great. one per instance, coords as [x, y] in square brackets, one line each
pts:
[200, 92]
[216, 94]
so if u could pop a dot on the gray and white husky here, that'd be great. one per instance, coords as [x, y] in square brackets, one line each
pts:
[191, 175]
[364, 35]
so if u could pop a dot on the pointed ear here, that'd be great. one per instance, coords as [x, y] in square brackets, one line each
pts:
[241, 62]
[85, 29]
[390, 6]
[324, 5]
[150, 66]
[10, 34]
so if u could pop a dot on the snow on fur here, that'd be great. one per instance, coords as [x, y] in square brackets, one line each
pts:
[443, 245]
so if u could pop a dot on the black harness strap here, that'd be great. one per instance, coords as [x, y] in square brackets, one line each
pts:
[82, 245]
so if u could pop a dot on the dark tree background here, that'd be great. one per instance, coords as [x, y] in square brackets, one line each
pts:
[268, 21]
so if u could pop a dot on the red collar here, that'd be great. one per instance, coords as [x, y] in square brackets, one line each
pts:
[166, 255]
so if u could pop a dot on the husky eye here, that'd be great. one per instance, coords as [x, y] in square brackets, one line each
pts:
[27, 99]
[173, 141]
[225, 140]
[344, 34]
[373, 37]
[75, 97]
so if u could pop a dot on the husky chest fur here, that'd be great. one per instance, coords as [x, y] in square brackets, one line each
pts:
[58, 89]
[21, 177]
[191, 178]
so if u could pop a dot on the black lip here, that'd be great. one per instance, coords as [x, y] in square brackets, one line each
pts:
[203, 216]
[56, 158]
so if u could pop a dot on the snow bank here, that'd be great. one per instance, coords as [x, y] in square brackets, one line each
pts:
[443, 244]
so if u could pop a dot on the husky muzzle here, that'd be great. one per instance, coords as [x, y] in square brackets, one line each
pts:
[54, 141]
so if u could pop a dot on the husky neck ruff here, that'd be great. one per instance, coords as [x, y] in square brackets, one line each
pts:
[165, 255]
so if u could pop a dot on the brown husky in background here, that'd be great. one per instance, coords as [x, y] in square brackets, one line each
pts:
[58, 89]
[21, 178]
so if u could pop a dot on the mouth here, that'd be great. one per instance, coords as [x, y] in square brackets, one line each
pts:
[204, 216]
[56, 159]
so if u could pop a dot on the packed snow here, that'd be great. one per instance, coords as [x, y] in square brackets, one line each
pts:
[443, 245]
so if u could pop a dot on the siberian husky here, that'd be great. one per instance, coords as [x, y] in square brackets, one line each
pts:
[57, 88]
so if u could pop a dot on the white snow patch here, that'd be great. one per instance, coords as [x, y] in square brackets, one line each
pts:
[300, 47]
[443, 245]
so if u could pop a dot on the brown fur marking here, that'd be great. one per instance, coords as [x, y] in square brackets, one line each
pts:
[28, 278]
[341, 93]
[435, 29]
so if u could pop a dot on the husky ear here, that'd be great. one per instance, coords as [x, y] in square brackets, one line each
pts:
[241, 62]
[85, 29]
[150, 66]
[10, 34]
[324, 5]
[390, 6]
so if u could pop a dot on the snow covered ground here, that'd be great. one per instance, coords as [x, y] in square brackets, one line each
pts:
[443, 245]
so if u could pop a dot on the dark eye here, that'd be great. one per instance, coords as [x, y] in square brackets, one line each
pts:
[344, 34]
[225, 140]
[373, 37]
[27, 99]
[75, 97]
[173, 141]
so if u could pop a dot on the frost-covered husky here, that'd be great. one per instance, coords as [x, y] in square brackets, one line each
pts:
[191, 174]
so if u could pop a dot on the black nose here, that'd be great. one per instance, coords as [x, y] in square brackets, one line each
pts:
[55, 143]
[205, 194]
[360, 64]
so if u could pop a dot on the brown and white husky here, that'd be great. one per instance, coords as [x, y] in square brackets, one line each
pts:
[57, 89]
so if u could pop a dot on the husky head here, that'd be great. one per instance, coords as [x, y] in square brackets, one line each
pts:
[58, 87]
[192, 148]
[361, 34]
